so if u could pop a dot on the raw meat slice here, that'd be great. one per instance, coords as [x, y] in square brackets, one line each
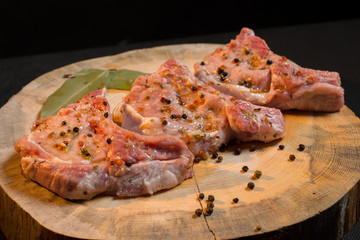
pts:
[247, 69]
[81, 153]
[172, 101]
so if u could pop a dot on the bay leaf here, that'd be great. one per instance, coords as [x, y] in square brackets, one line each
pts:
[86, 81]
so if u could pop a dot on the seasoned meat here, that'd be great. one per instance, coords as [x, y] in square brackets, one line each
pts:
[247, 69]
[81, 153]
[172, 101]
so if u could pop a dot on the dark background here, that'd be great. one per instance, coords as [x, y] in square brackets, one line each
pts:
[28, 27]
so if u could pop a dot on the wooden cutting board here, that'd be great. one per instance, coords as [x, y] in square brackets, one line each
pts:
[288, 192]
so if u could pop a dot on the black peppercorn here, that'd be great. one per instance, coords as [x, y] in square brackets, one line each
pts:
[251, 185]
[194, 89]
[108, 140]
[209, 210]
[197, 159]
[281, 147]
[198, 212]
[164, 122]
[223, 147]
[201, 196]
[76, 129]
[214, 155]
[167, 101]
[106, 115]
[245, 168]
[301, 147]
[292, 157]
[128, 163]
[63, 122]
[237, 151]
[173, 116]
[211, 198]
[269, 62]
[184, 116]
[236, 200]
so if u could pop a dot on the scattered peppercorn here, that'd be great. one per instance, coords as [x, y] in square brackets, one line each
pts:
[63, 122]
[269, 62]
[108, 140]
[301, 147]
[211, 198]
[214, 155]
[219, 159]
[173, 116]
[281, 147]
[252, 148]
[106, 115]
[223, 147]
[237, 151]
[236, 200]
[128, 163]
[197, 159]
[164, 122]
[210, 204]
[209, 210]
[245, 168]
[220, 70]
[104, 102]
[198, 212]
[236, 60]
[257, 174]
[194, 89]
[258, 228]
[292, 157]
[89, 135]
[62, 133]
[76, 129]
[167, 101]
[251, 185]
[202, 63]
[201, 196]
[184, 116]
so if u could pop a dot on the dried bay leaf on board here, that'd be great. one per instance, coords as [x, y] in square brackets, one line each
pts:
[85, 81]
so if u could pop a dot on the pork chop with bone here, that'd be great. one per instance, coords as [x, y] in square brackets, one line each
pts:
[172, 101]
[246, 68]
[81, 153]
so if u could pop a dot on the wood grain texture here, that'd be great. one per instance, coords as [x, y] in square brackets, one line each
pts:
[288, 192]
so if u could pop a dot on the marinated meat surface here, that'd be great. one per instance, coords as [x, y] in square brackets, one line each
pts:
[247, 69]
[172, 101]
[81, 153]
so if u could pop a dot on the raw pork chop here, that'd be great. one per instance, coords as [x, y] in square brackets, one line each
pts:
[81, 153]
[172, 101]
[246, 68]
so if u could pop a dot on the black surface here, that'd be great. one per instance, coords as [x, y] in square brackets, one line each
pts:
[324, 45]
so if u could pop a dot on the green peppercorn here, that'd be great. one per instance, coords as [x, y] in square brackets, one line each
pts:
[257, 174]
[252, 148]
